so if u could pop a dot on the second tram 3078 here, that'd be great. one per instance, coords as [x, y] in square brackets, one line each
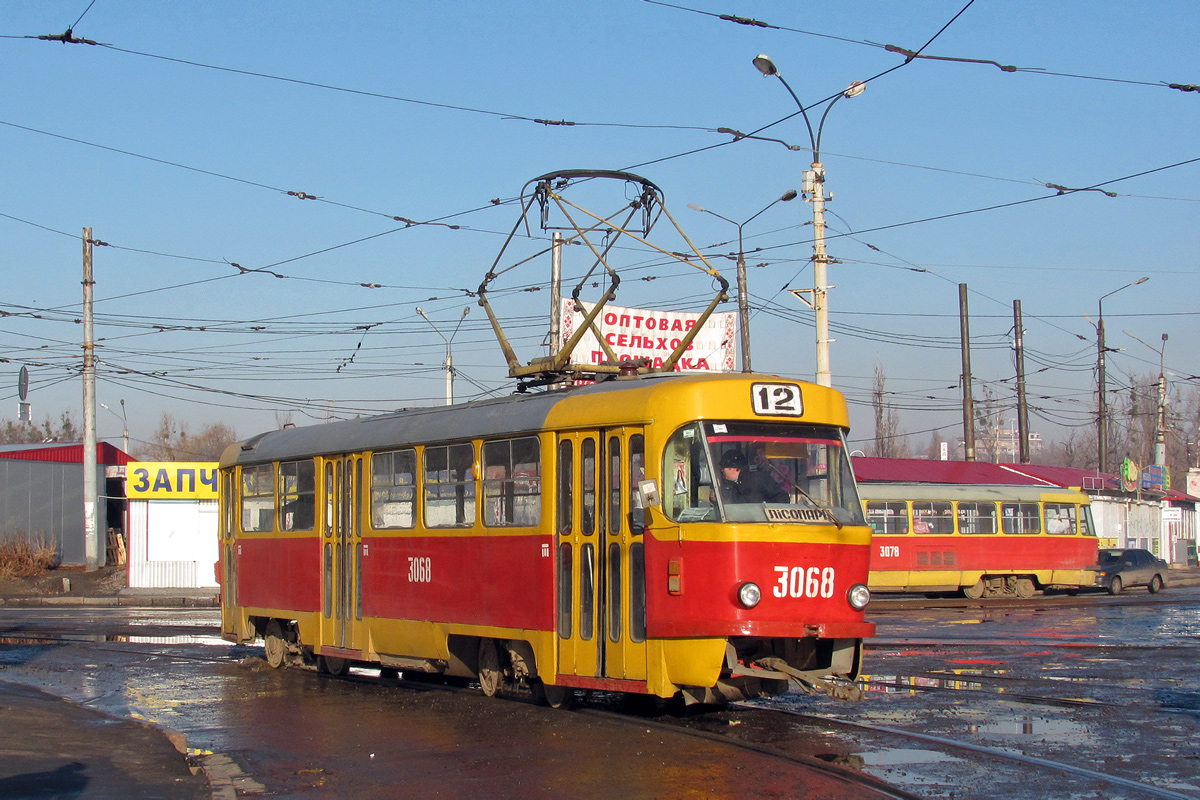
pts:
[663, 534]
[978, 539]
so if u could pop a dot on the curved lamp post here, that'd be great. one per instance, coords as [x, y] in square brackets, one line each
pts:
[743, 294]
[449, 366]
[814, 190]
[1102, 419]
[124, 425]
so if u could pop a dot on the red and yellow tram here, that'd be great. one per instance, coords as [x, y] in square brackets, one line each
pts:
[982, 540]
[571, 539]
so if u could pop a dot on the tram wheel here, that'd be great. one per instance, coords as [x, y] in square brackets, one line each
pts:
[1156, 585]
[332, 665]
[1024, 588]
[274, 645]
[1116, 586]
[553, 696]
[974, 592]
[491, 674]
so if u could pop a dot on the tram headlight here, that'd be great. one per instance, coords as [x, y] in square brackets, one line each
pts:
[858, 596]
[749, 594]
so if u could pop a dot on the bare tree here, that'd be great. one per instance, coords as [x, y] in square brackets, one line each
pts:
[172, 442]
[889, 442]
[62, 430]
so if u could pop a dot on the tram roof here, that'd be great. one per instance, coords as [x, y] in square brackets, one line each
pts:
[957, 491]
[514, 414]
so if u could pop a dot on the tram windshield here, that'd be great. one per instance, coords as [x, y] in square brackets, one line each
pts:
[759, 472]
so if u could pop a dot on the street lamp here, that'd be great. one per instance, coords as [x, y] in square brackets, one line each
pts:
[1160, 424]
[743, 294]
[449, 366]
[124, 425]
[814, 190]
[1102, 421]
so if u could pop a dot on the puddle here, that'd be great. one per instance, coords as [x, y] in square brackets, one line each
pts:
[1030, 726]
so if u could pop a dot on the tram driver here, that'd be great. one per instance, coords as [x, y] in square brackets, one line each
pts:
[740, 485]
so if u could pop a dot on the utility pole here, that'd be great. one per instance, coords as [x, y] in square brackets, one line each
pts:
[968, 405]
[814, 185]
[555, 292]
[1102, 389]
[93, 553]
[1022, 407]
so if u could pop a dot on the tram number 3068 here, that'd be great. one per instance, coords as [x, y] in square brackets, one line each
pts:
[801, 582]
[420, 570]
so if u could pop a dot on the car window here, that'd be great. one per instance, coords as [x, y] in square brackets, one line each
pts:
[1109, 556]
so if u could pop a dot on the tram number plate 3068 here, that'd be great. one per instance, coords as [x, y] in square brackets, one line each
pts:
[801, 582]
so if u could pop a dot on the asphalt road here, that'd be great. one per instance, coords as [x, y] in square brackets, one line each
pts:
[1053, 697]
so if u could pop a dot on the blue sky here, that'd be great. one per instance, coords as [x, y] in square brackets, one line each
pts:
[178, 137]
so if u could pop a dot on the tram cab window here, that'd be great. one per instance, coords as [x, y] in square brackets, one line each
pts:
[1060, 518]
[743, 471]
[297, 495]
[977, 518]
[933, 517]
[887, 516]
[1086, 526]
[1020, 518]
[512, 482]
[394, 489]
[258, 498]
[450, 486]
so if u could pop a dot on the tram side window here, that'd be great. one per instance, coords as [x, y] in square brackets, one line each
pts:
[394, 489]
[637, 473]
[1020, 518]
[450, 486]
[687, 482]
[258, 498]
[512, 482]
[976, 518]
[887, 516]
[932, 517]
[1060, 518]
[297, 495]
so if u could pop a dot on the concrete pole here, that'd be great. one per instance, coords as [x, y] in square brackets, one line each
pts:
[743, 305]
[556, 293]
[92, 549]
[1102, 400]
[968, 403]
[1022, 406]
[820, 276]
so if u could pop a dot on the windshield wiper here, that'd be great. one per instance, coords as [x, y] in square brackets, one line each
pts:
[826, 511]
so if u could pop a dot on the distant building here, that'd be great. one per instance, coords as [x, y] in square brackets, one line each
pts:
[41, 496]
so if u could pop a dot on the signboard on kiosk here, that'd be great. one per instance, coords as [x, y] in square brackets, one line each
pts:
[171, 480]
[635, 333]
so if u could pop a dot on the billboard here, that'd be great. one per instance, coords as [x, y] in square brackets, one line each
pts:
[635, 333]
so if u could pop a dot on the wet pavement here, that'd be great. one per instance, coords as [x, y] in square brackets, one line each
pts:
[53, 748]
[1093, 696]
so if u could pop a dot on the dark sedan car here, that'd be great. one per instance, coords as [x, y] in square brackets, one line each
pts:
[1120, 569]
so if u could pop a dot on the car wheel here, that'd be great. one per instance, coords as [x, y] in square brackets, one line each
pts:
[1156, 585]
[1116, 586]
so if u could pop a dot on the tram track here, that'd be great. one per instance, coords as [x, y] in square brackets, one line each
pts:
[1022, 759]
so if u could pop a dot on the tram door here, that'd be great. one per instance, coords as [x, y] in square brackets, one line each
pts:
[228, 526]
[342, 553]
[601, 579]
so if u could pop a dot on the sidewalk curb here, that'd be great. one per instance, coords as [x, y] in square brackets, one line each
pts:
[118, 601]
